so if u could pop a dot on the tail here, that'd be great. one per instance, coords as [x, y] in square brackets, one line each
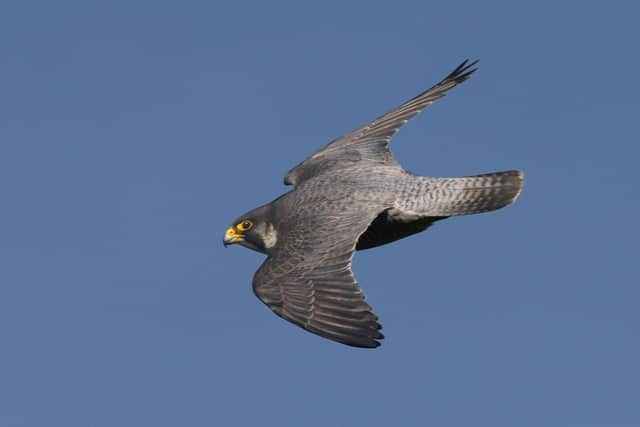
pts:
[474, 194]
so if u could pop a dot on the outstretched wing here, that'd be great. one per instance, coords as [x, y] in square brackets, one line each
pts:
[370, 142]
[308, 280]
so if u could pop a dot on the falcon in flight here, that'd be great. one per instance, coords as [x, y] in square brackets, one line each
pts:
[348, 196]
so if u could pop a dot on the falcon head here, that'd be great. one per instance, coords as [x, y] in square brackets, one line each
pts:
[252, 230]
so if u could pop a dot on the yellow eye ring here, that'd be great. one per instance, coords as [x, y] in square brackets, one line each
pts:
[244, 225]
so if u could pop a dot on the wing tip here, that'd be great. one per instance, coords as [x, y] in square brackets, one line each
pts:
[369, 343]
[463, 71]
[365, 337]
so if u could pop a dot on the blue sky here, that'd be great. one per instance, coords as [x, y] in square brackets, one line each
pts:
[132, 133]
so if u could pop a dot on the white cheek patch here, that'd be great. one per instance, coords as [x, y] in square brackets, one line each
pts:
[270, 237]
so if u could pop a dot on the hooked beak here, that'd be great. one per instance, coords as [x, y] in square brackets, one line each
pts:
[231, 237]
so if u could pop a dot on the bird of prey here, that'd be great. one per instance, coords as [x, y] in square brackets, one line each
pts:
[348, 196]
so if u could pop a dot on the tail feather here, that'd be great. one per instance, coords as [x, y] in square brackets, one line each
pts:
[474, 194]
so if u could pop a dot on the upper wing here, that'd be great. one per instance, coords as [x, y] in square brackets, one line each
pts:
[308, 280]
[370, 142]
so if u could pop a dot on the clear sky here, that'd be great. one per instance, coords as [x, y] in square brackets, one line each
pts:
[132, 133]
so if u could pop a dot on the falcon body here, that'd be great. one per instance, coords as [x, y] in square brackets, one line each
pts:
[352, 195]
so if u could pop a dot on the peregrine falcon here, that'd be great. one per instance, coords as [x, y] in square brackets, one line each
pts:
[352, 195]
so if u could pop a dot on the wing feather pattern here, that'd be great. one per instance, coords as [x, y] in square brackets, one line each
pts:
[309, 282]
[370, 142]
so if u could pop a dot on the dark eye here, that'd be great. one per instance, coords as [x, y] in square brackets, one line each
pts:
[245, 225]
